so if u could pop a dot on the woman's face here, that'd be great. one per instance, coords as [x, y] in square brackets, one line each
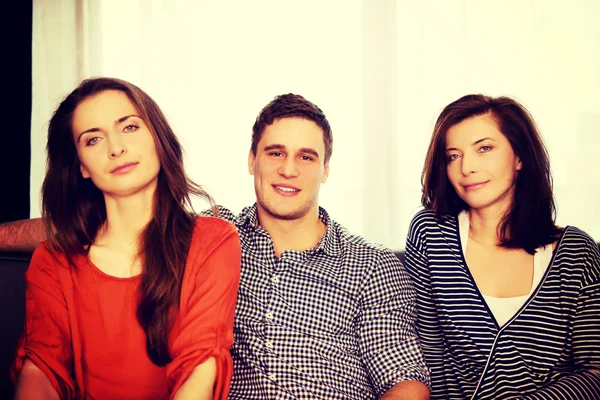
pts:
[481, 164]
[115, 146]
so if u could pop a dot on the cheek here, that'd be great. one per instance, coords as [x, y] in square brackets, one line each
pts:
[88, 163]
[506, 168]
[451, 173]
[150, 148]
[314, 174]
[267, 166]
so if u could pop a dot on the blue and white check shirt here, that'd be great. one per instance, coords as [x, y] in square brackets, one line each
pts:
[333, 322]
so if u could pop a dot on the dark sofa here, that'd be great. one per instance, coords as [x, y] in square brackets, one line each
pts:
[12, 315]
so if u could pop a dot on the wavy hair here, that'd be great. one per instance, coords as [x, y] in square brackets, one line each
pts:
[73, 209]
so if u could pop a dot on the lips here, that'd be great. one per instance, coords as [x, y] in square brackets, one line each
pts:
[474, 186]
[286, 190]
[124, 168]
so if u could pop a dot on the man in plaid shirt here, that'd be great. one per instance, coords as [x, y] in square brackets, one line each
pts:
[321, 313]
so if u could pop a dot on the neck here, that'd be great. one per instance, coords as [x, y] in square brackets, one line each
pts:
[126, 217]
[484, 224]
[297, 234]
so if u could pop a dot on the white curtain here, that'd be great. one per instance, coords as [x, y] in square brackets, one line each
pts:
[382, 70]
[64, 51]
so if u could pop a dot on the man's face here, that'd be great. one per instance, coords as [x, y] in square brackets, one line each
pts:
[288, 169]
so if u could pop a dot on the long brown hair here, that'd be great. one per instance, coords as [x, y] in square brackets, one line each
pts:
[73, 209]
[529, 223]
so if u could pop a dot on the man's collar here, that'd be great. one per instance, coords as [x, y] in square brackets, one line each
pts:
[329, 243]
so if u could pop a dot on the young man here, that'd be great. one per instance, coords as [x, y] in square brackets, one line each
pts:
[321, 313]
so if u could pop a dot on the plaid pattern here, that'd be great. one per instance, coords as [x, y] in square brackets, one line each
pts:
[333, 322]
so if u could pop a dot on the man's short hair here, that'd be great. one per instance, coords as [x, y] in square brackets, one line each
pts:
[287, 106]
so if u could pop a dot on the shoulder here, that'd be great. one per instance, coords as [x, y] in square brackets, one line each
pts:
[221, 212]
[575, 237]
[579, 249]
[425, 223]
[42, 251]
[422, 219]
[212, 230]
[359, 248]
[215, 248]
[45, 264]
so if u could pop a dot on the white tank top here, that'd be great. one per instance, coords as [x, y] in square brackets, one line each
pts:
[504, 308]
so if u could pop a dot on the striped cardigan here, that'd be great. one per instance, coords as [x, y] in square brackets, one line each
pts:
[549, 350]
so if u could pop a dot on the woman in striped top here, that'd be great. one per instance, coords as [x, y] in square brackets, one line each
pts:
[509, 303]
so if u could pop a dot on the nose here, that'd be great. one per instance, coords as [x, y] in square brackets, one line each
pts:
[469, 164]
[116, 147]
[288, 168]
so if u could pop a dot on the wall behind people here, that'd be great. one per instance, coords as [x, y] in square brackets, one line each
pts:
[381, 71]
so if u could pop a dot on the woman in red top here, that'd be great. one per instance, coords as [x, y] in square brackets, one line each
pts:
[132, 296]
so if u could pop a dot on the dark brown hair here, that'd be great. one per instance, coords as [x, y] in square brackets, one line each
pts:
[529, 223]
[73, 209]
[292, 105]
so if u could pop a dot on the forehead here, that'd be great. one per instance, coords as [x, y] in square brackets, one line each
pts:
[293, 132]
[473, 129]
[102, 108]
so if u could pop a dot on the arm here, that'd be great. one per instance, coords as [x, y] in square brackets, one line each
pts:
[202, 366]
[199, 385]
[24, 235]
[388, 340]
[428, 326]
[45, 347]
[584, 381]
[34, 384]
[407, 390]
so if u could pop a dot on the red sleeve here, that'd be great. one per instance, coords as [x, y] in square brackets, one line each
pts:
[46, 337]
[207, 305]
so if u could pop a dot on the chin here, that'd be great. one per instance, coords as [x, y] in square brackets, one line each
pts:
[287, 214]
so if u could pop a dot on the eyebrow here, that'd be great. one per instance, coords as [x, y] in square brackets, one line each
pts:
[274, 147]
[120, 120]
[306, 150]
[309, 151]
[472, 144]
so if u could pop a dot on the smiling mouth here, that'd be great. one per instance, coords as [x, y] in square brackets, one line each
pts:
[286, 191]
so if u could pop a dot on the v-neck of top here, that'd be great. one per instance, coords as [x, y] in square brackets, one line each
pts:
[504, 308]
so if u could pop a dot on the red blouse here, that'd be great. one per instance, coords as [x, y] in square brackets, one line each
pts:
[81, 327]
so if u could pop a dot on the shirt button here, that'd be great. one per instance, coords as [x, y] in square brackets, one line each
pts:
[269, 315]
[272, 377]
[269, 344]
[275, 279]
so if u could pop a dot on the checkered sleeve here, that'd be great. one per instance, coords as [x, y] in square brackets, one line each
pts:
[388, 339]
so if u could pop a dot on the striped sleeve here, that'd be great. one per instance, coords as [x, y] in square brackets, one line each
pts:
[428, 327]
[584, 381]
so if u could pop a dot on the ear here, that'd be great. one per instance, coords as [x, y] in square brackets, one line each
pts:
[84, 171]
[519, 165]
[325, 173]
[251, 159]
